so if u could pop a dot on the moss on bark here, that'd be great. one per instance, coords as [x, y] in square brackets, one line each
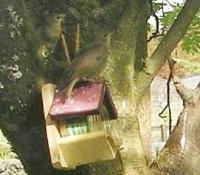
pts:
[21, 114]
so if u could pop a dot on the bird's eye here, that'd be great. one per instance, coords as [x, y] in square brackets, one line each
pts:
[58, 17]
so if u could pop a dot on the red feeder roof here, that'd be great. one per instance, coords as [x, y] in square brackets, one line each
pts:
[87, 99]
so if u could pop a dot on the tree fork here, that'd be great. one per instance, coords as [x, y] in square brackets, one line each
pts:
[168, 43]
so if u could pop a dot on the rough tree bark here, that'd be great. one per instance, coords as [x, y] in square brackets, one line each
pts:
[21, 114]
[179, 156]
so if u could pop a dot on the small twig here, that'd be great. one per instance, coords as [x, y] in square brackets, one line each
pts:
[171, 75]
[170, 4]
[65, 48]
[163, 110]
[163, 15]
[171, 66]
[77, 38]
[168, 102]
[171, 63]
[154, 36]
[153, 13]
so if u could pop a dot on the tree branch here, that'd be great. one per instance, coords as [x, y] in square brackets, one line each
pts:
[156, 33]
[169, 42]
[170, 3]
[184, 93]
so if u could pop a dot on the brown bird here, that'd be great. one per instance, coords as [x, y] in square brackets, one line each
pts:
[49, 34]
[88, 63]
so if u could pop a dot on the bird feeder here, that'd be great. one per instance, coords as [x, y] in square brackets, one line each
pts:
[78, 128]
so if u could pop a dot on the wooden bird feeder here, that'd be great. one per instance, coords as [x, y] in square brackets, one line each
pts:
[78, 127]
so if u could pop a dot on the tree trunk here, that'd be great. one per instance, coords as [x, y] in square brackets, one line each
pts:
[179, 156]
[22, 117]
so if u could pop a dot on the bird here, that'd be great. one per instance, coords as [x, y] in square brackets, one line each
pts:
[88, 63]
[49, 34]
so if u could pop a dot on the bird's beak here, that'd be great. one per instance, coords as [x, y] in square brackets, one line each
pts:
[63, 18]
[63, 15]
